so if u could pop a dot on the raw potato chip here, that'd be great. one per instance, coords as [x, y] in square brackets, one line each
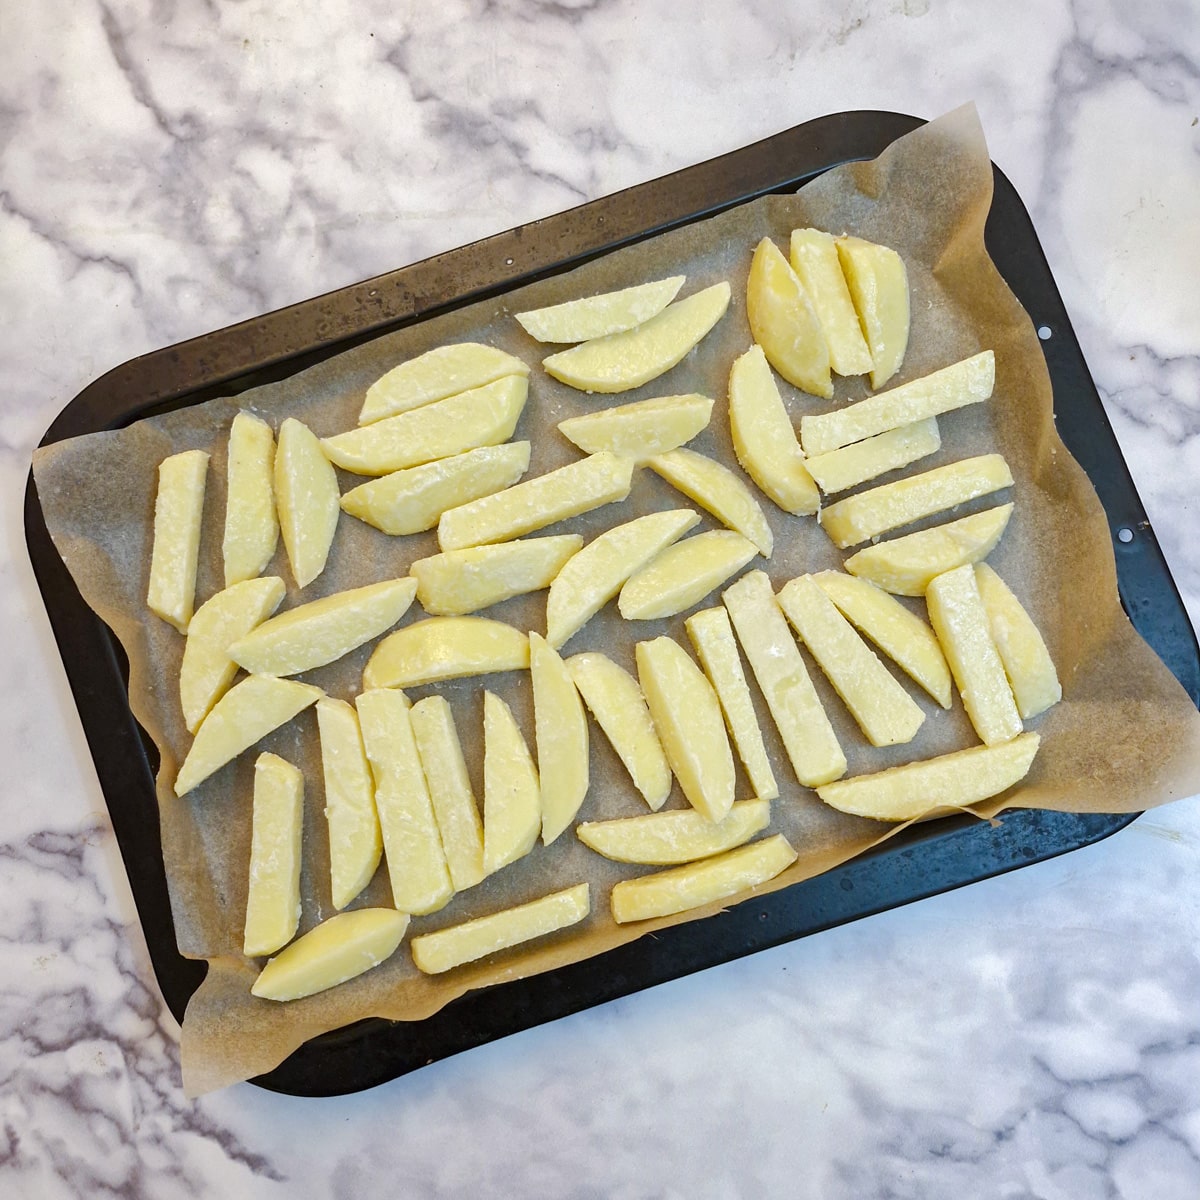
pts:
[814, 258]
[560, 728]
[178, 507]
[441, 648]
[434, 375]
[306, 494]
[878, 284]
[599, 316]
[854, 464]
[251, 524]
[512, 798]
[680, 835]
[273, 894]
[683, 574]
[642, 429]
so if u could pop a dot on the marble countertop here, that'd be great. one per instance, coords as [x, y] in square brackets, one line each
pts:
[171, 168]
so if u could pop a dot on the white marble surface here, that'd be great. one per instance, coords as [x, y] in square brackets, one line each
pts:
[168, 168]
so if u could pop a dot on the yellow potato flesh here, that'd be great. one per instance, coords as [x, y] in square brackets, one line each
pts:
[412, 500]
[441, 372]
[178, 508]
[251, 524]
[687, 717]
[512, 799]
[617, 703]
[883, 709]
[411, 843]
[784, 324]
[355, 842]
[905, 565]
[969, 381]
[449, 785]
[627, 360]
[682, 888]
[595, 575]
[602, 315]
[642, 429]
[434, 953]
[338, 949]
[900, 634]
[774, 657]
[243, 716]
[878, 284]
[273, 895]
[561, 732]
[578, 487]
[207, 669]
[950, 781]
[683, 574]
[464, 581]
[712, 637]
[960, 621]
[484, 416]
[868, 514]
[306, 494]
[321, 631]
[1027, 662]
[445, 648]
[681, 835]
[873, 456]
[814, 258]
[763, 438]
[719, 491]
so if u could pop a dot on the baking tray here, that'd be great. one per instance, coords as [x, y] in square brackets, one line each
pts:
[919, 862]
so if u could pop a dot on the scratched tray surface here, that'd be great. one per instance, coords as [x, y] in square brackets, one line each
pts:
[917, 863]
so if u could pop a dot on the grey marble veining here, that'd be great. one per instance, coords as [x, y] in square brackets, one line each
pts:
[169, 168]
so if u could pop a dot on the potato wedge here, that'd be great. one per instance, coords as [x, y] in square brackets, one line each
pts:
[680, 835]
[718, 490]
[449, 785]
[447, 948]
[813, 255]
[341, 948]
[412, 845]
[178, 508]
[774, 657]
[627, 360]
[763, 438]
[784, 323]
[561, 732]
[595, 575]
[932, 785]
[617, 703]
[683, 574]
[868, 514]
[273, 894]
[854, 464]
[243, 716]
[1027, 662]
[960, 621]
[712, 638]
[681, 888]
[512, 796]
[578, 487]
[905, 565]
[484, 416]
[412, 500]
[306, 494]
[442, 648]
[321, 631]
[900, 634]
[969, 381]
[464, 581]
[878, 284]
[885, 712]
[207, 669]
[602, 315]
[642, 429]
[251, 524]
[435, 375]
[687, 716]
[355, 841]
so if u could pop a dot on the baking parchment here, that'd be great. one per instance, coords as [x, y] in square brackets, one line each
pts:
[1124, 738]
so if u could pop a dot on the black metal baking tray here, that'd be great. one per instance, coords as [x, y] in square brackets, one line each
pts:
[918, 863]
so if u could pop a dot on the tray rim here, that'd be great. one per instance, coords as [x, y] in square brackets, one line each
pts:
[167, 376]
